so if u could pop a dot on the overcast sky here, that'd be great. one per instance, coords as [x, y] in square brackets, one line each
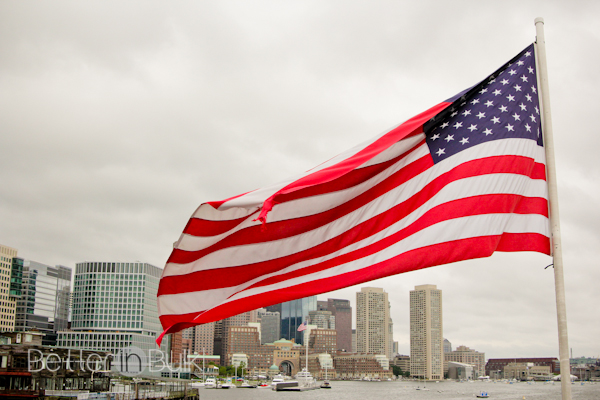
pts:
[117, 119]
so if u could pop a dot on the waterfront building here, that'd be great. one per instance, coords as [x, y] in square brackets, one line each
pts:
[527, 371]
[28, 369]
[270, 326]
[361, 366]
[373, 321]
[8, 303]
[322, 341]
[401, 361]
[43, 303]
[495, 366]
[114, 306]
[222, 334]
[342, 312]
[293, 314]
[426, 333]
[353, 350]
[460, 371]
[465, 355]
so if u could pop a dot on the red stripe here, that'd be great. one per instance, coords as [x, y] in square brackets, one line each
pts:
[204, 227]
[330, 173]
[424, 257]
[212, 278]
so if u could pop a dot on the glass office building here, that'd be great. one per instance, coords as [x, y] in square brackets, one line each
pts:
[42, 294]
[293, 313]
[114, 306]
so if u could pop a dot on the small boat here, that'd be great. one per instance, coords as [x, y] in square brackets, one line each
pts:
[483, 395]
[227, 385]
[210, 383]
[325, 385]
[247, 385]
[263, 385]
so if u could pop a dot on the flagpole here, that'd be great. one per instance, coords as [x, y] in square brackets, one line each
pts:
[559, 281]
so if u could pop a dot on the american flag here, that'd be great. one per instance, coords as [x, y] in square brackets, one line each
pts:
[302, 327]
[459, 181]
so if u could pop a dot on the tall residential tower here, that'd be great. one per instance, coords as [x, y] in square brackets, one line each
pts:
[372, 322]
[426, 333]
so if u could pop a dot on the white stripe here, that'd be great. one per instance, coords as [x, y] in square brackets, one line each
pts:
[446, 231]
[486, 184]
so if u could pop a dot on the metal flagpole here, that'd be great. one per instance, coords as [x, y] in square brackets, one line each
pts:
[559, 281]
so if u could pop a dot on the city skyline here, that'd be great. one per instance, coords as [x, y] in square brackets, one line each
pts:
[404, 342]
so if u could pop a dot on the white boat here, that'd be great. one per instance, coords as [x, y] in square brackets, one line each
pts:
[305, 379]
[227, 385]
[210, 383]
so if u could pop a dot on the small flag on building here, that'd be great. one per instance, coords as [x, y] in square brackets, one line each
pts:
[302, 327]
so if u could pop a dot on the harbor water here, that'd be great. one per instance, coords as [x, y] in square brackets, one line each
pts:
[445, 390]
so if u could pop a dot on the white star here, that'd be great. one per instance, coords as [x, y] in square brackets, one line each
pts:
[444, 125]
[472, 128]
[475, 101]
[504, 81]
[497, 92]
[496, 120]
[532, 118]
[503, 108]
[453, 114]
[528, 128]
[537, 110]
[449, 138]
[512, 72]
[528, 96]
[492, 80]
[481, 115]
[520, 63]
[489, 103]
[466, 112]
[533, 89]
[524, 78]
[482, 91]
[510, 128]
[464, 141]
[523, 107]
[530, 70]
[527, 54]
[440, 152]
[516, 116]
[510, 97]
[517, 88]
[457, 125]
[436, 136]
[487, 132]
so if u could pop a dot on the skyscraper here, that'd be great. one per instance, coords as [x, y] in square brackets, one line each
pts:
[114, 306]
[372, 321]
[270, 326]
[342, 311]
[43, 303]
[426, 333]
[7, 297]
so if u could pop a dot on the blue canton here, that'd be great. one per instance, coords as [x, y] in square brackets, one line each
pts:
[504, 105]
